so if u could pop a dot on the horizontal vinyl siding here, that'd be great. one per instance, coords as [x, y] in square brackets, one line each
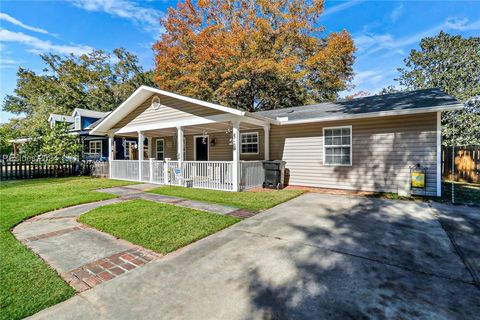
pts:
[221, 151]
[383, 149]
[172, 109]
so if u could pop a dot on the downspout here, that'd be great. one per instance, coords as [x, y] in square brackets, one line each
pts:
[453, 156]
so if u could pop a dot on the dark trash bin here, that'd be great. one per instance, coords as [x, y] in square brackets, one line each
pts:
[274, 174]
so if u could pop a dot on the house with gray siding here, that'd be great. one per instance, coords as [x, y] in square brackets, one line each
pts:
[366, 144]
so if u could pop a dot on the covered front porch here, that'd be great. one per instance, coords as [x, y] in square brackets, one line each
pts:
[221, 156]
[186, 142]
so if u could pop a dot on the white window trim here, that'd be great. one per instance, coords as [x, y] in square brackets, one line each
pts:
[195, 146]
[156, 148]
[95, 142]
[351, 146]
[241, 143]
[79, 127]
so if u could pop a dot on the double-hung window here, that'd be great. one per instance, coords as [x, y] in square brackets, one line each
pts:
[78, 125]
[95, 147]
[249, 141]
[160, 149]
[337, 146]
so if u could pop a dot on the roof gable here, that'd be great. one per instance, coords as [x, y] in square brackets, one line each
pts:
[88, 113]
[141, 95]
[60, 118]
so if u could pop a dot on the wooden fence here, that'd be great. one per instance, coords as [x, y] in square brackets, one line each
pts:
[99, 169]
[467, 164]
[30, 170]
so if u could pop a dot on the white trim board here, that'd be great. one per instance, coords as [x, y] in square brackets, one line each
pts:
[350, 146]
[241, 143]
[439, 154]
[145, 92]
[371, 115]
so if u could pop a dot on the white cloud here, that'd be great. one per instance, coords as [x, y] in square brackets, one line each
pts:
[371, 42]
[371, 76]
[12, 20]
[397, 12]
[461, 24]
[148, 18]
[341, 7]
[367, 40]
[37, 45]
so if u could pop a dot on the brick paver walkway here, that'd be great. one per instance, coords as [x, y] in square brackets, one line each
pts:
[85, 257]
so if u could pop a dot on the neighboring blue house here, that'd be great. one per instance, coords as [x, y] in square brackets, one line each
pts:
[95, 147]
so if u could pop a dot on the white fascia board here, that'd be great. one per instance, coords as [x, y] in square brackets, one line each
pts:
[195, 101]
[176, 123]
[374, 114]
[256, 119]
[144, 92]
[117, 114]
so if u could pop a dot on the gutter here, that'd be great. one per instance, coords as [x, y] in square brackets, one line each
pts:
[285, 121]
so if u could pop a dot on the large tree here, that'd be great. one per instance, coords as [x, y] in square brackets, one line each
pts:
[252, 54]
[96, 81]
[53, 144]
[451, 63]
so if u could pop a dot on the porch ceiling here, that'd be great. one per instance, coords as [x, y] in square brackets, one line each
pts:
[194, 130]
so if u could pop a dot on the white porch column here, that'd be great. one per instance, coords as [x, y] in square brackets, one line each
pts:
[150, 147]
[141, 137]
[180, 144]
[110, 154]
[266, 146]
[236, 154]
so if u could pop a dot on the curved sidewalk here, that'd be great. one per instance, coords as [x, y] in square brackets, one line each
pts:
[86, 257]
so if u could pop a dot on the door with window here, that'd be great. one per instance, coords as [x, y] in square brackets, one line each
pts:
[160, 153]
[129, 150]
[201, 148]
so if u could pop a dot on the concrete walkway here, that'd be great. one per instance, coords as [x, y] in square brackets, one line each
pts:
[86, 257]
[314, 257]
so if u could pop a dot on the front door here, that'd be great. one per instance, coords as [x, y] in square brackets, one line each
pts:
[201, 148]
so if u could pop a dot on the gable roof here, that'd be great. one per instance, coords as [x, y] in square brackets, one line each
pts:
[60, 118]
[143, 93]
[89, 113]
[419, 101]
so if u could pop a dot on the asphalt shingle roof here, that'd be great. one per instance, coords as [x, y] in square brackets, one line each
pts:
[90, 113]
[426, 98]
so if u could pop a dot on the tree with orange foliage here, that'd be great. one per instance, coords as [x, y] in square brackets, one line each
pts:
[252, 54]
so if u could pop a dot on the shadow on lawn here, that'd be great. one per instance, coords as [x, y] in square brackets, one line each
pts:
[363, 263]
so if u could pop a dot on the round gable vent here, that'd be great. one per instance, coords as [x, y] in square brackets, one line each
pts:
[156, 104]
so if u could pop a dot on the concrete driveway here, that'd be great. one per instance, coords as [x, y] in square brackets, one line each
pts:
[315, 257]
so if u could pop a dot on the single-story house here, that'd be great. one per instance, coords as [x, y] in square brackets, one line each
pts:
[367, 144]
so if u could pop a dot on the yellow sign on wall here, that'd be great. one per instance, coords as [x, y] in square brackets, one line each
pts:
[418, 179]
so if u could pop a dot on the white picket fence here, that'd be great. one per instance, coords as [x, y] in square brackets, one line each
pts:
[215, 175]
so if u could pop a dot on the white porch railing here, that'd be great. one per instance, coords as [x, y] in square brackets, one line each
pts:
[124, 169]
[216, 175]
[252, 174]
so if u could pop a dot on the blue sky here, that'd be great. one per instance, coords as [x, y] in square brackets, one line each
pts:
[384, 32]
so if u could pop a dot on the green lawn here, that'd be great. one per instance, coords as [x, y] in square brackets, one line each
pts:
[27, 284]
[253, 201]
[156, 226]
[465, 193]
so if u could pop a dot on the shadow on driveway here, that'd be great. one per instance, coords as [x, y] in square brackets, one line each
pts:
[314, 257]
